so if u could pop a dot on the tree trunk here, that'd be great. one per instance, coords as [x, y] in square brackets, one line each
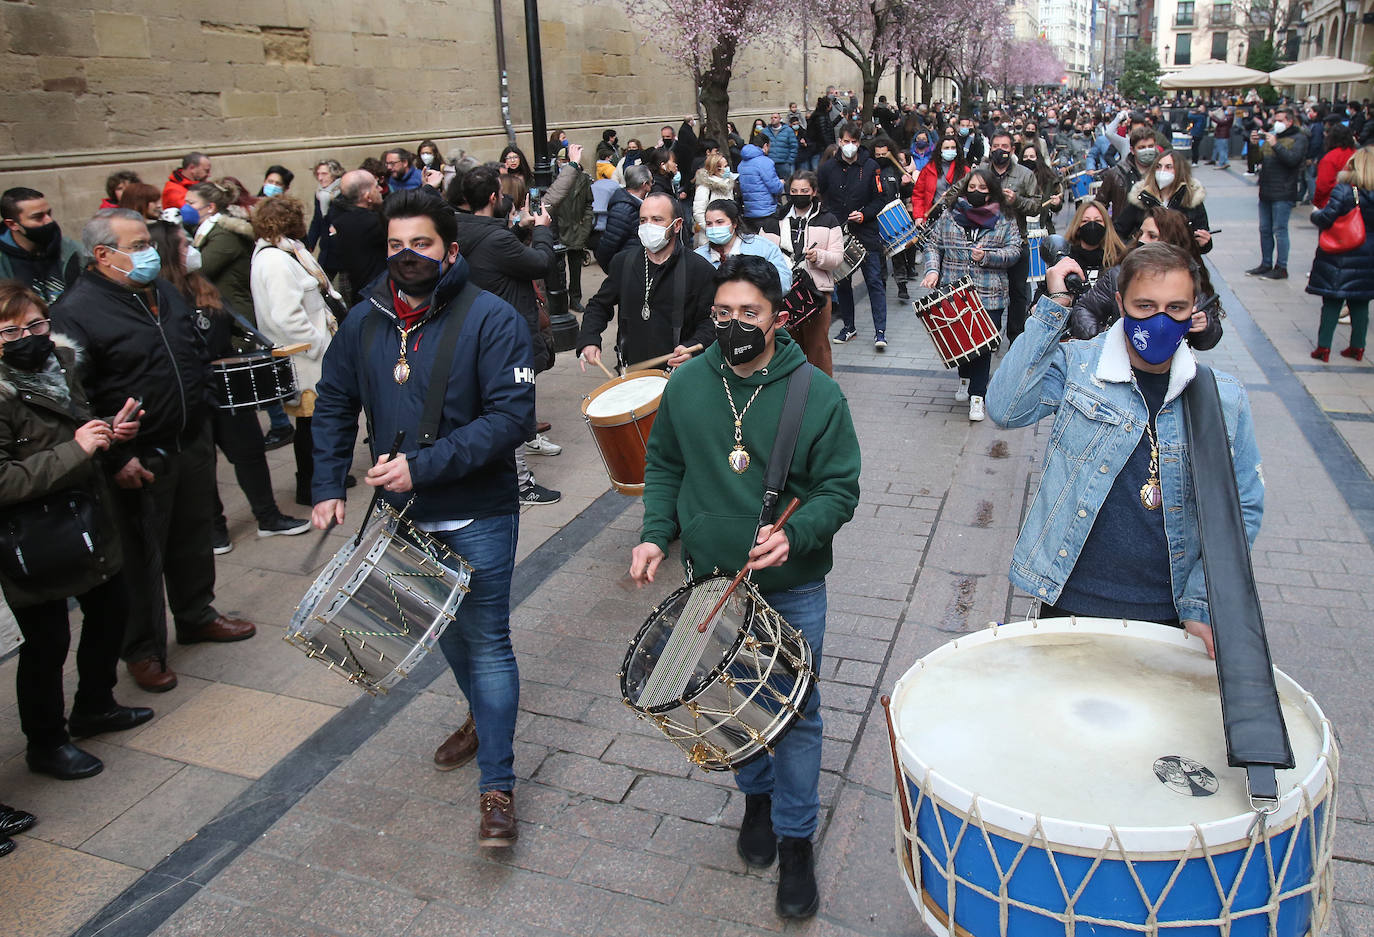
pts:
[715, 93]
[871, 78]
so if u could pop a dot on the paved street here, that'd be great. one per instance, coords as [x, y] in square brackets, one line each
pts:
[269, 798]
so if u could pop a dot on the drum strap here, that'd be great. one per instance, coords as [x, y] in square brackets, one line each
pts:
[785, 442]
[1256, 736]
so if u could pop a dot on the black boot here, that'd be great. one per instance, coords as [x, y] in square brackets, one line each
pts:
[902, 294]
[303, 491]
[65, 762]
[797, 893]
[757, 845]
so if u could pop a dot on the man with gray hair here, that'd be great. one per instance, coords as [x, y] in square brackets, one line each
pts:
[357, 235]
[140, 341]
[195, 168]
[622, 214]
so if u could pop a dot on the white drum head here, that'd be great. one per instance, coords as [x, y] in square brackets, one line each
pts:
[633, 394]
[1099, 723]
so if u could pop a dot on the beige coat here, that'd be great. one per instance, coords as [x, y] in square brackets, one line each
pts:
[291, 308]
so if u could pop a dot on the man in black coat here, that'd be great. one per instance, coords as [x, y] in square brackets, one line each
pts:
[140, 342]
[357, 235]
[853, 191]
[622, 215]
[1282, 151]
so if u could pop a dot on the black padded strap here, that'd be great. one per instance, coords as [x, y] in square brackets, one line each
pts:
[679, 313]
[785, 442]
[433, 411]
[369, 339]
[1256, 736]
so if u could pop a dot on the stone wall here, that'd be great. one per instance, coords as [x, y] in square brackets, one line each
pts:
[84, 90]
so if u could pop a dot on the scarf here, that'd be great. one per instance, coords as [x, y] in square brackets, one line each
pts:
[966, 216]
[48, 381]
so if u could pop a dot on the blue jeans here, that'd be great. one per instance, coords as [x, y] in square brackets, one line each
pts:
[477, 643]
[1273, 224]
[1221, 152]
[276, 415]
[978, 370]
[792, 774]
[875, 280]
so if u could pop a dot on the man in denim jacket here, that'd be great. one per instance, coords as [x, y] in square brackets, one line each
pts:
[1113, 528]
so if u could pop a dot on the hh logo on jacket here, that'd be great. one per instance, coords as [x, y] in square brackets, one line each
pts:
[524, 375]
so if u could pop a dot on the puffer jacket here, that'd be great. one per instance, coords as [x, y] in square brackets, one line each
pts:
[622, 225]
[759, 184]
[1349, 275]
[708, 189]
[500, 264]
[39, 415]
[226, 258]
[1186, 200]
[1280, 166]
[819, 230]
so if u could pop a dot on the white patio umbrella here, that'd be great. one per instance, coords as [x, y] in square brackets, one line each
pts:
[1321, 69]
[1214, 75]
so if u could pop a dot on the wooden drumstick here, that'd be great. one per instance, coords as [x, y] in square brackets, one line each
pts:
[660, 360]
[602, 365]
[739, 577]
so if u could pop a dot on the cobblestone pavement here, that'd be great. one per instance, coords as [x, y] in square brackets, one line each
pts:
[267, 799]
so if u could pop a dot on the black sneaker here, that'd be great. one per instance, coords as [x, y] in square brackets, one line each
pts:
[283, 526]
[757, 845]
[1259, 271]
[1277, 273]
[278, 437]
[220, 542]
[798, 896]
[538, 494]
[845, 334]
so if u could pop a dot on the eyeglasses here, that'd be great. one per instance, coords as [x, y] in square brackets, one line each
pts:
[746, 316]
[15, 332]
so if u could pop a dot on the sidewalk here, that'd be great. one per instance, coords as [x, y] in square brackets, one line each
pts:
[323, 815]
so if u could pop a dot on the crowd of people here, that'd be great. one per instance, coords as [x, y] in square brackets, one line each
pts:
[728, 259]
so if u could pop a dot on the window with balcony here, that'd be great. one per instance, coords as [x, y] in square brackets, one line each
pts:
[1221, 14]
[1220, 40]
[1183, 52]
[1183, 18]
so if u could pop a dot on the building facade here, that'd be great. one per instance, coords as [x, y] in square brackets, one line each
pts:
[1069, 27]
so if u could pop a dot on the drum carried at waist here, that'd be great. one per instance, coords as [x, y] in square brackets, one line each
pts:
[724, 696]
[381, 603]
[1034, 235]
[1080, 183]
[620, 414]
[896, 227]
[957, 322]
[252, 380]
[1070, 776]
[854, 254]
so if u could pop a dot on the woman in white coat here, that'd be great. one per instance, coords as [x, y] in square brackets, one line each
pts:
[289, 295]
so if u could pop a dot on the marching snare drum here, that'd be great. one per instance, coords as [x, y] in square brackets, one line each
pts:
[1070, 776]
[854, 254]
[252, 380]
[380, 605]
[620, 413]
[957, 322]
[1182, 142]
[1079, 184]
[1034, 236]
[896, 227]
[726, 696]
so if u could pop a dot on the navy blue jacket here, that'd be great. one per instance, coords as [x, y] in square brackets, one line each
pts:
[856, 186]
[469, 472]
[1349, 275]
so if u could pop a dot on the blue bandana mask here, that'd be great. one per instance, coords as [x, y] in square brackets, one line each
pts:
[1156, 338]
[147, 264]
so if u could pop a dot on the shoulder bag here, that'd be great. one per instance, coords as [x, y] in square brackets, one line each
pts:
[1346, 232]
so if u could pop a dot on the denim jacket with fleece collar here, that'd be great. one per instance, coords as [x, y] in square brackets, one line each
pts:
[1099, 417]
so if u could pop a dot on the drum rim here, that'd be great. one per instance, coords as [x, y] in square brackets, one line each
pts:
[628, 416]
[1317, 783]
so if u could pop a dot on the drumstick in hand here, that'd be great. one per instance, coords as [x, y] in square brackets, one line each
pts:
[602, 365]
[377, 492]
[739, 577]
[660, 360]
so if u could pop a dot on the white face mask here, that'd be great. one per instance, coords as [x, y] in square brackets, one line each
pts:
[192, 259]
[948, 155]
[1279, 127]
[654, 237]
[1165, 179]
[849, 149]
[427, 158]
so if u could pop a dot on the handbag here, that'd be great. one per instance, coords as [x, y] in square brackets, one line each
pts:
[1346, 232]
[803, 300]
[46, 539]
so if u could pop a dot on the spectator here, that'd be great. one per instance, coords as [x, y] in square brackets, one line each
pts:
[195, 167]
[608, 150]
[115, 184]
[276, 181]
[428, 154]
[358, 243]
[1340, 147]
[146, 200]
[622, 215]
[224, 240]
[513, 162]
[782, 146]
[328, 172]
[569, 201]
[1223, 119]
[401, 168]
[1346, 278]
[759, 185]
[32, 248]
[1281, 152]
[712, 183]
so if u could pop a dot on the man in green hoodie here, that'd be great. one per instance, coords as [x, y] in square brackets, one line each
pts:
[704, 482]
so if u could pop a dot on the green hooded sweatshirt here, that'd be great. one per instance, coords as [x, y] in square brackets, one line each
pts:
[690, 489]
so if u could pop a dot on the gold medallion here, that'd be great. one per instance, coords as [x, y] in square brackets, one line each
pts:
[401, 373]
[739, 459]
[1150, 495]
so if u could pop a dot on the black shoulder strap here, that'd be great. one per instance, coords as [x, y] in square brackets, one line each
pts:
[1256, 736]
[364, 381]
[785, 442]
[679, 296]
[433, 411]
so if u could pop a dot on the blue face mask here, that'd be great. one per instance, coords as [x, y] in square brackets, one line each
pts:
[147, 264]
[271, 190]
[677, 178]
[189, 216]
[1157, 337]
[721, 234]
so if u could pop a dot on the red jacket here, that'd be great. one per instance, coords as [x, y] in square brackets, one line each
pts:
[1327, 168]
[927, 182]
[174, 190]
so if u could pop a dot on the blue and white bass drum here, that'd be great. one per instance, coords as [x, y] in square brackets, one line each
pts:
[1068, 777]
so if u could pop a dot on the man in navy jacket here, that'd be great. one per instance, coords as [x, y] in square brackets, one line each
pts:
[460, 484]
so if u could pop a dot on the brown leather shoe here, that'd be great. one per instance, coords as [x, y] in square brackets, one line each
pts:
[152, 675]
[543, 427]
[221, 629]
[459, 748]
[498, 819]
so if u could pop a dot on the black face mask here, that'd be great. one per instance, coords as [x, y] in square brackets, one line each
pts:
[1031, 164]
[44, 235]
[1091, 233]
[414, 274]
[740, 343]
[28, 353]
[802, 202]
[1000, 158]
[976, 199]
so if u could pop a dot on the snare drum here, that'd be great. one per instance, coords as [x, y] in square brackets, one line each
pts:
[1182, 142]
[620, 413]
[896, 227]
[854, 254]
[252, 380]
[1070, 776]
[380, 605]
[727, 696]
[1037, 263]
[1079, 184]
[957, 322]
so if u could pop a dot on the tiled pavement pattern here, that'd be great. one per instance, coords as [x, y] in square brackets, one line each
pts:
[619, 836]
